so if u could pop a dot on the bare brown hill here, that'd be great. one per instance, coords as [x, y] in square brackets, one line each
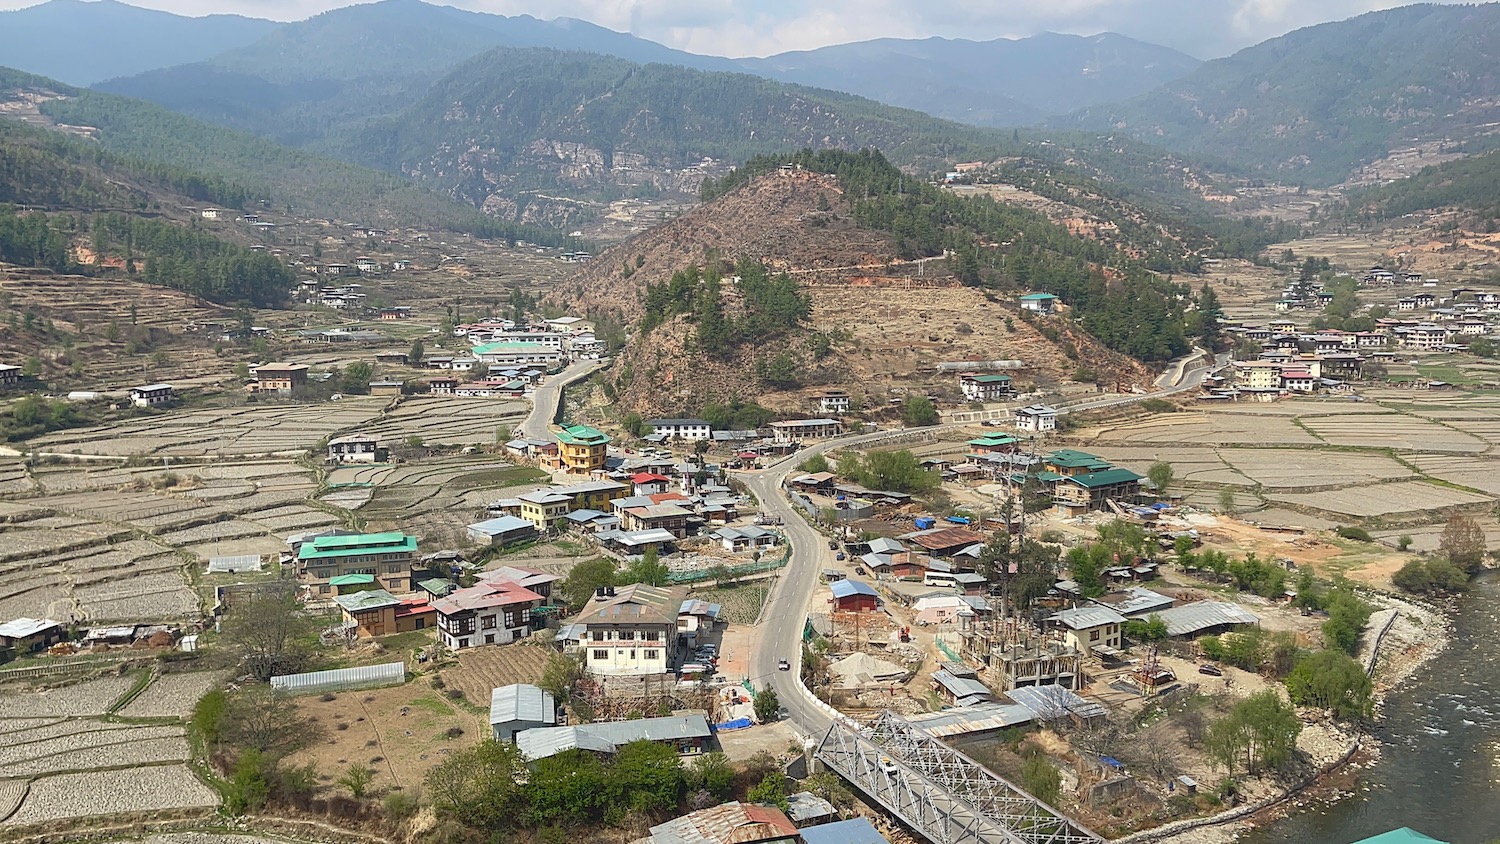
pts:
[788, 220]
[879, 327]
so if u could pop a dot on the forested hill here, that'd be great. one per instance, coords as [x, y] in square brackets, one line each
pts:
[96, 213]
[1469, 185]
[292, 179]
[1312, 105]
[519, 119]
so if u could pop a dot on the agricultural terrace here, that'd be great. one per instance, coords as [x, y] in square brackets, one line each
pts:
[63, 757]
[244, 430]
[1397, 463]
[435, 498]
[447, 420]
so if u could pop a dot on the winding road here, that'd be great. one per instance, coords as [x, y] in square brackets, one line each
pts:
[537, 424]
[786, 610]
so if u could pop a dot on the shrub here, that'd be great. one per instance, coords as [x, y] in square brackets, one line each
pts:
[1330, 680]
[1430, 577]
[1355, 533]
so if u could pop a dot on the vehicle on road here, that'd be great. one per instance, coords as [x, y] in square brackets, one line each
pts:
[783, 664]
[833, 545]
[1210, 670]
[888, 765]
[841, 556]
[859, 569]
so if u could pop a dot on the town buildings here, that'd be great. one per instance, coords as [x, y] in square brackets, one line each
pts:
[282, 378]
[631, 630]
[385, 558]
[152, 395]
[797, 430]
[681, 429]
[983, 388]
[582, 449]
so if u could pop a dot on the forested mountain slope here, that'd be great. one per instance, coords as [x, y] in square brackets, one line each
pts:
[85, 42]
[1312, 105]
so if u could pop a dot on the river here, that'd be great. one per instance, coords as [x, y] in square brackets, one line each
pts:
[1439, 769]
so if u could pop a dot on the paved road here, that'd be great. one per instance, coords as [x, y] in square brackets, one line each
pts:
[544, 401]
[787, 606]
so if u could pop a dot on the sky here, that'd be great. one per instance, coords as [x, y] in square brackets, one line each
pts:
[1202, 28]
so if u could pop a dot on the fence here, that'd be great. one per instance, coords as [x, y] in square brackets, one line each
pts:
[341, 679]
[733, 572]
[65, 665]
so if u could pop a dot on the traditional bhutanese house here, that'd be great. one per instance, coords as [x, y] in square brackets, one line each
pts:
[992, 444]
[943, 542]
[1075, 495]
[1067, 462]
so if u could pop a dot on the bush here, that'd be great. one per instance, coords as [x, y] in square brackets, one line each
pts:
[1331, 680]
[1431, 577]
[399, 806]
[1347, 616]
[1355, 533]
[1041, 779]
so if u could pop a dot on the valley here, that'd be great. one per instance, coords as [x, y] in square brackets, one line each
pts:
[432, 426]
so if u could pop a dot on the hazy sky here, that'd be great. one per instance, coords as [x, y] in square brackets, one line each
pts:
[1204, 28]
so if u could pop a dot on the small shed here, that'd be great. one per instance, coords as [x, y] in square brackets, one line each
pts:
[854, 596]
[520, 706]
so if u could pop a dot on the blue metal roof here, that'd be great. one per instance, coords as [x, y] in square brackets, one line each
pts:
[849, 588]
[852, 831]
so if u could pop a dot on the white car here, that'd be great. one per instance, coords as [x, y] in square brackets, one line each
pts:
[783, 665]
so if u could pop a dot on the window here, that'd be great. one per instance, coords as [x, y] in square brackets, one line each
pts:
[510, 618]
[421, 624]
[488, 622]
[526, 616]
[1093, 635]
[653, 654]
[323, 590]
[463, 643]
[632, 653]
[489, 638]
[627, 635]
[597, 635]
[601, 655]
[652, 635]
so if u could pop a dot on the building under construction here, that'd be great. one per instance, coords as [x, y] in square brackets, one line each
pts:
[1017, 655]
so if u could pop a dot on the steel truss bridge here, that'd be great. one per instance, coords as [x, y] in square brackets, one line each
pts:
[939, 792]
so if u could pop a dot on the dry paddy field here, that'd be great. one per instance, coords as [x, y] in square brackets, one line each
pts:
[433, 499]
[448, 420]
[1401, 459]
[282, 429]
[60, 759]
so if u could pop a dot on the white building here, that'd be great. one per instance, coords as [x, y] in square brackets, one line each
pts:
[1036, 418]
[985, 387]
[355, 448]
[682, 429]
[632, 630]
[1090, 629]
[795, 430]
[151, 395]
[834, 402]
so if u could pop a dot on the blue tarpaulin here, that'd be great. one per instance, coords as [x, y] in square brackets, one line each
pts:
[736, 724]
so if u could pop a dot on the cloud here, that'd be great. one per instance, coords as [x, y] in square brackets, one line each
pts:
[1204, 28]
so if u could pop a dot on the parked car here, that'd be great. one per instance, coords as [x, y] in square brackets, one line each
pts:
[833, 544]
[841, 556]
[859, 569]
[1210, 670]
[783, 664]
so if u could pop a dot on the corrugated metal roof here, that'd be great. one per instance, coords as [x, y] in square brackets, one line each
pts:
[523, 703]
[972, 719]
[852, 831]
[1082, 618]
[727, 823]
[1191, 618]
[850, 588]
[961, 687]
[604, 737]
[1053, 702]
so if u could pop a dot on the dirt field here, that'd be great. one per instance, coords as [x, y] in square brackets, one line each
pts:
[399, 733]
[481, 670]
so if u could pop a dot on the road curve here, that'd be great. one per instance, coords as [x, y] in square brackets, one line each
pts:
[785, 614]
[544, 401]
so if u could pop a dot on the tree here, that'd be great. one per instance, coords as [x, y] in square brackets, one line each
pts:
[559, 676]
[268, 631]
[355, 379]
[249, 787]
[1462, 542]
[1262, 729]
[1331, 680]
[1403, 542]
[1209, 331]
[767, 707]
[1160, 475]
[646, 777]
[918, 412]
[357, 779]
[649, 569]
[1347, 616]
[573, 785]
[1152, 629]
[718, 573]
[1087, 563]
[1041, 778]
[480, 785]
[418, 351]
[713, 773]
[586, 578]
[815, 464]
[770, 791]
[1432, 577]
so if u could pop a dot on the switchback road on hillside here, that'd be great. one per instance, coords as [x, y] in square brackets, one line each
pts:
[544, 401]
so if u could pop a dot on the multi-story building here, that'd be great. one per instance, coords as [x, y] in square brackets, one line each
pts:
[510, 353]
[834, 401]
[632, 630]
[385, 556]
[377, 612]
[681, 429]
[1090, 629]
[582, 449]
[542, 507]
[285, 378]
[355, 448]
[1036, 419]
[985, 387]
[151, 395]
[795, 430]
[491, 612]
[1075, 495]
[1258, 374]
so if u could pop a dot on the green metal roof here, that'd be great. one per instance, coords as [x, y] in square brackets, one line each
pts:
[993, 439]
[373, 599]
[437, 586]
[1070, 459]
[991, 379]
[332, 547]
[1037, 297]
[351, 580]
[582, 435]
[504, 346]
[1108, 477]
[1404, 835]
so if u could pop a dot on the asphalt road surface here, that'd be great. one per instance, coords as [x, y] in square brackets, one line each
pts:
[786, 609]
[544, 400]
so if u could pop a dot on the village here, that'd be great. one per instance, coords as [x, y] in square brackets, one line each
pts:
[455, 534]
